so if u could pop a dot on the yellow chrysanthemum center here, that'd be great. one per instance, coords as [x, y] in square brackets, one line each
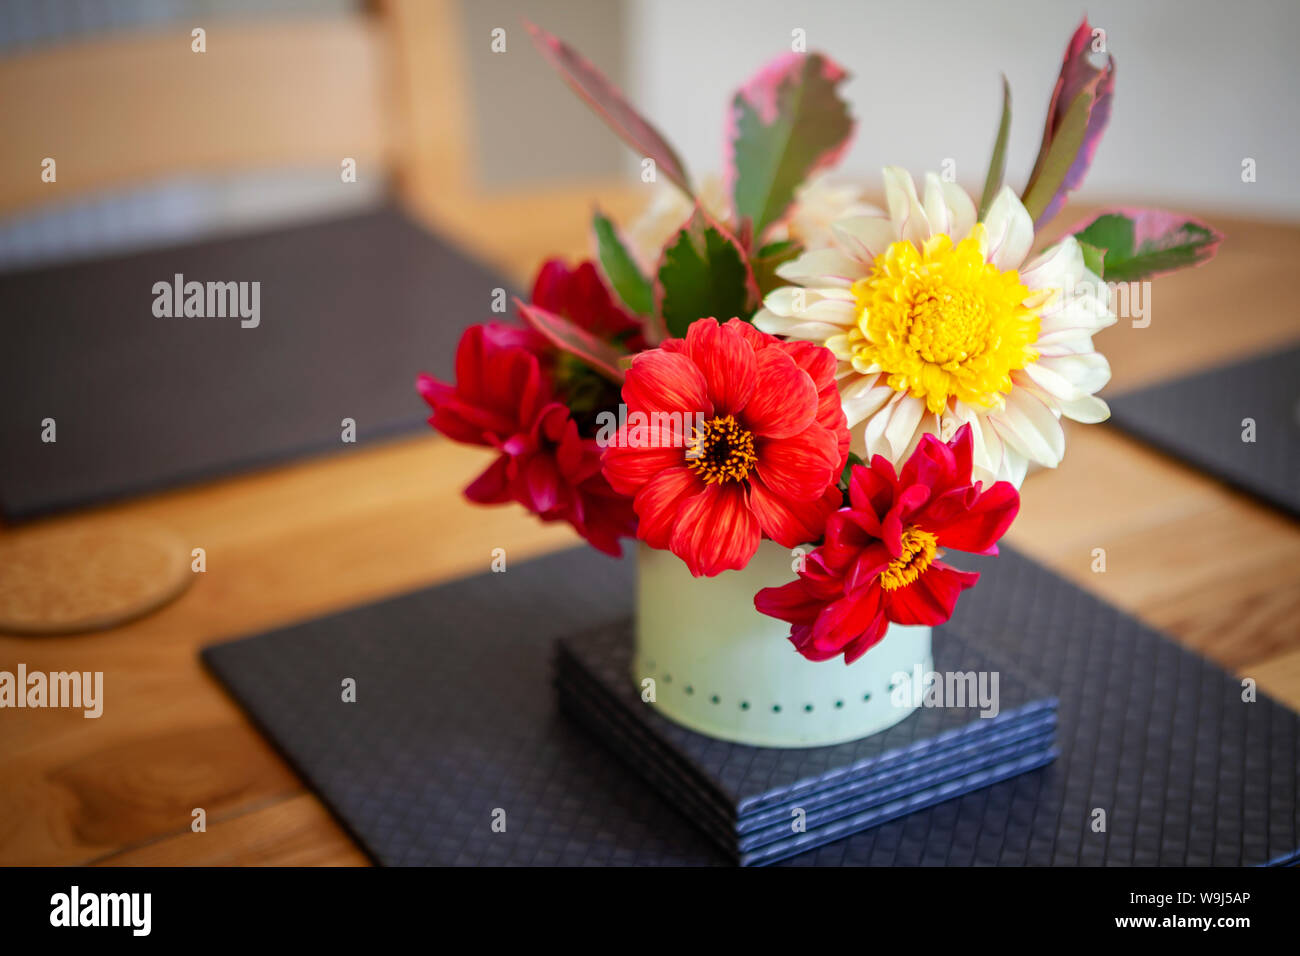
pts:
[918, 553]
[942, 323]
[721, 450]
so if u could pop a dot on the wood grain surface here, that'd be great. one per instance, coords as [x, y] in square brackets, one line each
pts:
[1217, 571]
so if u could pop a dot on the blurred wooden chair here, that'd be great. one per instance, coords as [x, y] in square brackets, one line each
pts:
[127, 108]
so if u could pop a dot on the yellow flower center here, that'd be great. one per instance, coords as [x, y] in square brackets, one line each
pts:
[918, 553]
[721, 451]
[942, 323]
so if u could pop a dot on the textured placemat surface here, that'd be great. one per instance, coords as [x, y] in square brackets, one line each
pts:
[1240, 423]
[455, 728]
[349, 311]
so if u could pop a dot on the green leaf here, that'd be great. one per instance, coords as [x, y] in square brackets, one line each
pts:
[703, 273]
[789, 122]
[848, 468]
[621, 269]
[998, 161]
[1093, 258]
[1140, 243]
[770, 258]
[1049, 177]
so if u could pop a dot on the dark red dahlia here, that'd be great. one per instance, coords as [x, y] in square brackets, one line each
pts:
[880, 562]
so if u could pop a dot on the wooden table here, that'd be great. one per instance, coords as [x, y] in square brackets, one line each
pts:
[1207, 565]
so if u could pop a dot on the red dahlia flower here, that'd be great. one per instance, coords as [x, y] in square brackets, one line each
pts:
[580, 296]
[503, 399]
[730, 434]
[880, 561]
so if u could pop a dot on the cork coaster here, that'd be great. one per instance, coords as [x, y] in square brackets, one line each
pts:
[65, 580]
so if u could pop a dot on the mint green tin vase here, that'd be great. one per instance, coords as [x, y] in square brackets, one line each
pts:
[706, 659]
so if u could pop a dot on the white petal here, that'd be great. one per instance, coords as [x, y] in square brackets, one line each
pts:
[822, 267]
[795, 327]
[811, 305]
[904, 208]
[1029, 426]
[1055, 268]
[1014, 467]
[1010, 231]
[903, 424]
[1087, 371]
[864, 396]
[1089, 409]
[948, 208]
[865, 237]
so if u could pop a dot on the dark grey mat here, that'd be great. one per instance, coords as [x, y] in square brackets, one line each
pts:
[456, 718]
[350, 310]
[1201, 419]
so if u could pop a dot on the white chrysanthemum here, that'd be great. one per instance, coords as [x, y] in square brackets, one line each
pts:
[938, 321]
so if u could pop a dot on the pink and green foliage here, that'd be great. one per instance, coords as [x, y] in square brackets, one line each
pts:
[570, 338]
[703, 272]
[1140, 243]
[1076, 118]
[610, 104]
[785, 124]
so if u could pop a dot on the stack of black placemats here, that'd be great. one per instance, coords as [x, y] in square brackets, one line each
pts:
[763, 804]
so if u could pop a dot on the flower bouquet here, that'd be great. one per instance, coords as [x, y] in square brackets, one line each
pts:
[798, 403]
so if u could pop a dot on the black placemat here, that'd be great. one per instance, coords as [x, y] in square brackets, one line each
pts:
[350, 310]
[1202, 419]
[455, 718]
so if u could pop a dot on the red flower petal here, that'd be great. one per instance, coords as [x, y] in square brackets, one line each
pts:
[801, 467]
[867, 639]
[791, 523]
[845, 620]
[628, 468]
[791, 602]
[715, 531]
[785, 399]
[930, 598]
[727, 362]
[493, 486]
[658, 502]
[661, 381]
[977, 527]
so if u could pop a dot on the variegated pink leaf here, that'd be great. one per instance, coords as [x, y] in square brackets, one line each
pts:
[1056, 175]
[785, 124]
[1141, 243]
[610, 104]
[564, 335]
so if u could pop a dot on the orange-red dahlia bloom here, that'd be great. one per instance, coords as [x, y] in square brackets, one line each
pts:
[730, 434]
[880, 561]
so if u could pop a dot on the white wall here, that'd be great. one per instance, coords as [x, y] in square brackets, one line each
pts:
[1200, 84]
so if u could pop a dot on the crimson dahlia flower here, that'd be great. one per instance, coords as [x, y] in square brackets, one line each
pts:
[730, 434]
[504, 399]
[880, 561]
